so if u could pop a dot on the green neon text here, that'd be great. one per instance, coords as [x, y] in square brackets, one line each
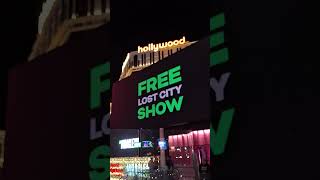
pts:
[160, 108]
[160, 81]
[100, 162]
[98, 86]
[219, 138]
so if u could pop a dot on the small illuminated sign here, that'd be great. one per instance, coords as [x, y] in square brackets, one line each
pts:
[134, 143]
[157, 47]
[147, 144]
[162, 144]
[130, 143]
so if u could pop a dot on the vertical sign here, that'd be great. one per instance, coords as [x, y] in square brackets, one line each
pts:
[99, 157]
[218, 83]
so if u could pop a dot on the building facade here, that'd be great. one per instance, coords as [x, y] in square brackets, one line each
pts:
[2, 140]
[59, 18]
[152, 64]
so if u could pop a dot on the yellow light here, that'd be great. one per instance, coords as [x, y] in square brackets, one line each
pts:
[158, 46]
[125, 61]
[119, 164]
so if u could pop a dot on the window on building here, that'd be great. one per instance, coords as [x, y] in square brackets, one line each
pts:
[150, 58]
[70, 9]
[81, 7]
[135, 60]
[142, 57]
[62, 12]
[104, 5]
[91, 6]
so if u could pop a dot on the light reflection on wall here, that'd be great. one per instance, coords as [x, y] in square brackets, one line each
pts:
[182, 146]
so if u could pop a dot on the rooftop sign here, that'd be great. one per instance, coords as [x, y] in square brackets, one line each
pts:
[157, 47]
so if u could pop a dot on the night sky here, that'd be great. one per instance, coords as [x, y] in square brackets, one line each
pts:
[285, 27]
[138, 23]
[262, 25]
[133, 22]
[275, 40]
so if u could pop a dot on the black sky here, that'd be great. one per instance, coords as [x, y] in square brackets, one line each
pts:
[141, 22]
[133, 22]
[268, 29]
[275, 40]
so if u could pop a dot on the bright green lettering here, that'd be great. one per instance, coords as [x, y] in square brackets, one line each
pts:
[151, 84]
[174, 75]
[141, 114]
[141, 87]
[97, 86]
[163, 80]
[99, 161]
[151, 110]
[219, 139]
[174, 104]
[163, 109]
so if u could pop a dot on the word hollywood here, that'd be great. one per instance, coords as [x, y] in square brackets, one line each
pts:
[156, 47]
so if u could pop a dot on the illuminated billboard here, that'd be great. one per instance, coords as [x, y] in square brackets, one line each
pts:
[172, 91]
[161, 102]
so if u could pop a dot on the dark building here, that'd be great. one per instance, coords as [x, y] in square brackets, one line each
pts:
[46, 94]
[2, 141]
[271, 87]
[266, 52]
[52, 131]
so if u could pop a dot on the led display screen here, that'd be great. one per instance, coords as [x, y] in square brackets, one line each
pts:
[172, 91]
